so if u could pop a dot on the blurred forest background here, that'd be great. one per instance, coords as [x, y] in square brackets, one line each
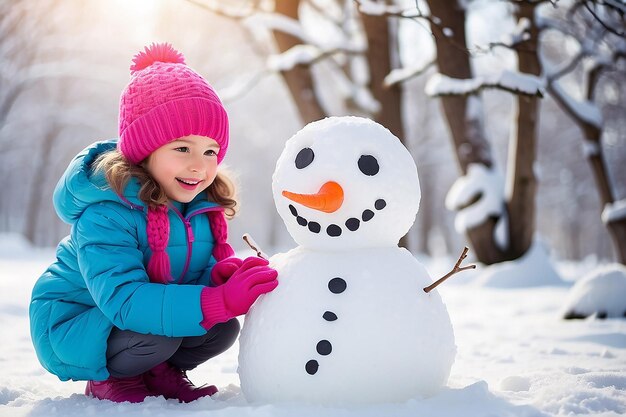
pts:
[63, 64]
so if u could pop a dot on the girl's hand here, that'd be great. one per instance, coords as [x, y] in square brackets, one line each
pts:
[236, 296]
[224, 269]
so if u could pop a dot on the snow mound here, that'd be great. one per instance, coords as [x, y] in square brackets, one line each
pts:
[600, 292]
[515, 383]
[534, 269]
[12, 243]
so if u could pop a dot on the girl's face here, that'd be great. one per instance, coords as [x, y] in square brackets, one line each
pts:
[185, 167]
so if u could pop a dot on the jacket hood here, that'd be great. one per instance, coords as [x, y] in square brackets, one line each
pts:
[79, 186]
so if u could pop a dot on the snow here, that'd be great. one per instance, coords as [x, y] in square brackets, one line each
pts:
[583, 109]
[264, 22]
[383, 304]
[341, 142]
[439, 84]
[516, 357]
[378, 8]
[520, 33]
[347, 191]
[480, 181]
[296, 55]
[614, 212]
[398, 75]
[533, 269]
[602, 291]
[591, 148]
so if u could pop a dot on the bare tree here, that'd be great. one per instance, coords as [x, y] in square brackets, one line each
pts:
[465, 124]
[459, 90]
[36, 74]
[448, 26]
[598, 28]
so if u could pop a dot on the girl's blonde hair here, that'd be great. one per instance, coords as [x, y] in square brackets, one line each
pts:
[118, 171]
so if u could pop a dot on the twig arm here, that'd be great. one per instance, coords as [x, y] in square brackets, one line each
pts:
[254, 246]
[457, 268]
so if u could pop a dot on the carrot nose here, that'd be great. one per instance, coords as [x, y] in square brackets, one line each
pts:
[328, 199]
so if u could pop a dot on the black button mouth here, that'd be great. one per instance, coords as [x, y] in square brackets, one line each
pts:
[352, 224]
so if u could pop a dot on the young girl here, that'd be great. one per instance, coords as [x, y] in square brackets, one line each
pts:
[145, 287]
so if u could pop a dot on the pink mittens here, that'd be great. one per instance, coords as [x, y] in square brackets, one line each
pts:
[234, 298]
[224, 269]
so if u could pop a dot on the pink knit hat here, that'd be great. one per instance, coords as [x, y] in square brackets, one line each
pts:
[166, 100]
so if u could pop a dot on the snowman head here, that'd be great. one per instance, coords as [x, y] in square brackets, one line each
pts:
[346, 183]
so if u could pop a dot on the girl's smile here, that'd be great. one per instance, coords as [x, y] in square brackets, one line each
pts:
[189, 184]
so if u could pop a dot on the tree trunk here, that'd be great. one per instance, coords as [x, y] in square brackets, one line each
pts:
[379, 59]
[298, 79]
[464, 123]
[380, 53]
[521, 182]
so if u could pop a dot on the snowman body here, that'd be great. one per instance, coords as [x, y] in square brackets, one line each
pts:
[346, 327]
[349, 322]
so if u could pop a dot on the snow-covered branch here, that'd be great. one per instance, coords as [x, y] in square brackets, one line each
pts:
[305, 54]
[581, 110]
[602, 22]
[614, 212]
[400, 75]
[513, 40]
[277, 22]
[513, 82]
[374, 8]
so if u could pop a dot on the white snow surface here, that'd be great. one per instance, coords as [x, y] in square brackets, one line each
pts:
[516, 357]
[603, 290]
[533, 269]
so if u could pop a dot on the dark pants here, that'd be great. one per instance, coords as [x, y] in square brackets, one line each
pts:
[130, 353]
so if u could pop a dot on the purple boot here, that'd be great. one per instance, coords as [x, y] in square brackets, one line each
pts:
[119, 389]
[171, 382]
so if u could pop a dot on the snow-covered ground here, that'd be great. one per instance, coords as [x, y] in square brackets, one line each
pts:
[516, 357]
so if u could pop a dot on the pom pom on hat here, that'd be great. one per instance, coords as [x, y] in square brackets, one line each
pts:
[157, 52]
[166, 100]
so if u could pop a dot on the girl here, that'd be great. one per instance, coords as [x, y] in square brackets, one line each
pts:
[145, 287]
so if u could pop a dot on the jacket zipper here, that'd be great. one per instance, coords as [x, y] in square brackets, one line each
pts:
[188, 229]
[189, 235]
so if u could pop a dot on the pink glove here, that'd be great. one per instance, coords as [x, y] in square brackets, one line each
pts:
[234, 298]
[224, 269]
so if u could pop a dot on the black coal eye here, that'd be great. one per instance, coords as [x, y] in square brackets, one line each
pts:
[368, 165]
[304, 158]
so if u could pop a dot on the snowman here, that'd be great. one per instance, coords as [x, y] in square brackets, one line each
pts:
[349, 322]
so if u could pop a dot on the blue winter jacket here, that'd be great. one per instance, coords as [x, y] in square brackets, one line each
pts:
[99, 279]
